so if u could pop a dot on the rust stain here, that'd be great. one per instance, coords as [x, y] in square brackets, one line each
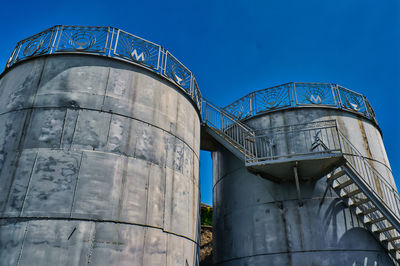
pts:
[369, 154]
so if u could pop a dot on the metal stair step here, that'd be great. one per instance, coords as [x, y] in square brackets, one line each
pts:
[394, 248]
[383, 230]
[371, 210]
[359, 202]
[344, 184]
[352, 193]
[337, 175]
[377, 220]
[392, 239]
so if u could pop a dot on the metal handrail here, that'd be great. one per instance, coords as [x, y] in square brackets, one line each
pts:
[229, 127]
[300, 94]
[109, 42]
[371, 177]
[305, 139]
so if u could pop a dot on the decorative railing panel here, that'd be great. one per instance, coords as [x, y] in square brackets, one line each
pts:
[352, 101]
[133, 48]
[83, 39]
[314, 93]
[241, 108]
[177, 72]
[275, 98]
[115, 43]
[110, 42]
[298, 94]
[38, 44]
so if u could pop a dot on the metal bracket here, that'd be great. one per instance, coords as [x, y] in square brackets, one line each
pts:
[296, 178]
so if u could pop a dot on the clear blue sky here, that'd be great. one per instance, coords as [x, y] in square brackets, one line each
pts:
[235, 47]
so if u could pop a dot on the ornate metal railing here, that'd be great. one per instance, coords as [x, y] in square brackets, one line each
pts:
[109, 42]
[297, 94]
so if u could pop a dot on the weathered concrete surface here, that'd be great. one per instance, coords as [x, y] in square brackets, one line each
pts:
[259, 222]
[99, 164]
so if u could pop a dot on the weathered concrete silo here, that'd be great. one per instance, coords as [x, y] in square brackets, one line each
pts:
[301, 177]
[99, 152]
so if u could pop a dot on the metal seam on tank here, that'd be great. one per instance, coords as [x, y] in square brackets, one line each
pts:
[147, 188]
[63, 127]
[11, 183]
[76, 122]
[96, 110]
[39, 81]
[91, 246]
[105, 88]
[165, 196]
[301, 251]
[29, 183]
[225, 175]
[285, 229]
[172, 198]
[109, 128]
[73, 133]
[274, 203]
[144, 244]
[76, 185]
[123, 184]
[115, 154]
[367, 149]
[140, 67]
[42, 218]
[23, 242]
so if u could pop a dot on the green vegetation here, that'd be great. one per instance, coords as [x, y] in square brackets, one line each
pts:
[206, 215]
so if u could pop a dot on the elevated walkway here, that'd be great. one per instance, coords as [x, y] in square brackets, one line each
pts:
[307, 152]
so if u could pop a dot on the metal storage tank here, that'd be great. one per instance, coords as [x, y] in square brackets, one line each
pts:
[99, 152]
[301, 177]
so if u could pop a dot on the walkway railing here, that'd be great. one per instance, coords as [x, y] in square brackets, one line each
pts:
[237, 133]
[108, 42]
[296, 140]
[297, 94]
[376, 183]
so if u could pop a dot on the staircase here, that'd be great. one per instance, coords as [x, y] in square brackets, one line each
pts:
[237, 137]
[319, 146]
[369, 196]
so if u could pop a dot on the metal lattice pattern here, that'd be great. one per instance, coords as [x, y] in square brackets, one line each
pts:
[110, 42]
[84, 39]
[272, 99]
[352, 101]
[312, 94]
[177, 72]
[134, 48]
[298, 94]
[240, 109]
[38, 44]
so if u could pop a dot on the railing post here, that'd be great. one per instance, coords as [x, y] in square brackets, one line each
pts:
[296, 178]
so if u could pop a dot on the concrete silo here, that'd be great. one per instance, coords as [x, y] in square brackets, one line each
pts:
[100, 133]
[99, 152]
[301, 177]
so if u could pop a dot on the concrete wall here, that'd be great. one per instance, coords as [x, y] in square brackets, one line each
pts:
[259, 222]
[99, 165]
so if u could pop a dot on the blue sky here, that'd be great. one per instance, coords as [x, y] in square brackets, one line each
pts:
[235, 47]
